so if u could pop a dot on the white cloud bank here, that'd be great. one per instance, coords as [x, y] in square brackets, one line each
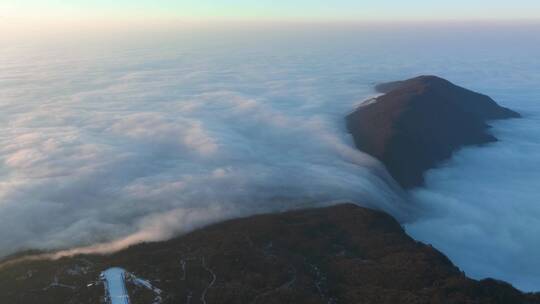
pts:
[134, 147]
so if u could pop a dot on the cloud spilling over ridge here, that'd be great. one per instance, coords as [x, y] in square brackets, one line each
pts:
[144, 150]
[118, 174]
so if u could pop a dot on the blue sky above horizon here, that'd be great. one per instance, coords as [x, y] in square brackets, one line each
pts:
[350, 10]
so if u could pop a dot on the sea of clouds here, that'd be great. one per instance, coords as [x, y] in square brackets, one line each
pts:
[117, 139]
[137, 142]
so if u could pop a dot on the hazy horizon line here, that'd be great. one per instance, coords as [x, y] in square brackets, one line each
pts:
[27, 26]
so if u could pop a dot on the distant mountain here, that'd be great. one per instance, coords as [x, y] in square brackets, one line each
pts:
[340, 254]
[418, 123]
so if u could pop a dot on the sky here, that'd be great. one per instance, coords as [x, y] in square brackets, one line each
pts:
[311, 10]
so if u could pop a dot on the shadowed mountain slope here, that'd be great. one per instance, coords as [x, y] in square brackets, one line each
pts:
[340, 254]
[418, 123]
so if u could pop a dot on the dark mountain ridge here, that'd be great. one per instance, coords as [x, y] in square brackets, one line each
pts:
[339, 254]
[418, 123]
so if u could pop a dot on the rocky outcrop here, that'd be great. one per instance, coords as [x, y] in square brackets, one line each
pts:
[418, 123]
[340, 254]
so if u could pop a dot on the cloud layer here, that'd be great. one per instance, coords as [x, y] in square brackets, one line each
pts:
[134, 147]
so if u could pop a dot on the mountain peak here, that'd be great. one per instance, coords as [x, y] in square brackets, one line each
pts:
[421, 121]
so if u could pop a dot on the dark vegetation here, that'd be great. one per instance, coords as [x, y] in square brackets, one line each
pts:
[340, 254]
[420, 122]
